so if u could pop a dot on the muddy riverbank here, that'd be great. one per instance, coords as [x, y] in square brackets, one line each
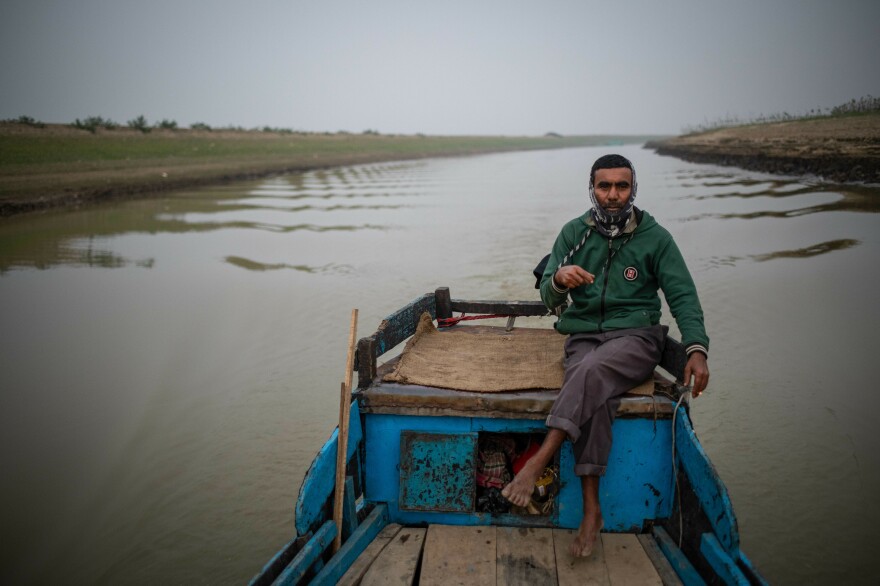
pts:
[58, 166]
[840, 149]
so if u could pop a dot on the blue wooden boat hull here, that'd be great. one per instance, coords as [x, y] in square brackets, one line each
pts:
[681, 501]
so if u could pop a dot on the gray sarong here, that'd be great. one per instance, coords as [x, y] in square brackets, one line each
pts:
[598, 369]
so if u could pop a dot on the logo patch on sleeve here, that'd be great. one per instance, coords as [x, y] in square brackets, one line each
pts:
[630, 273]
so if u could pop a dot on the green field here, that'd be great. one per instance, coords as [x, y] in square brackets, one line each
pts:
[59, 165]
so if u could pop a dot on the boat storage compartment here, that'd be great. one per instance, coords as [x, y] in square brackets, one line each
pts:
[465, 472]
[414, 434]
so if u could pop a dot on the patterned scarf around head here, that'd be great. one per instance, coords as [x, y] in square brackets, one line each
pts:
[608, 224]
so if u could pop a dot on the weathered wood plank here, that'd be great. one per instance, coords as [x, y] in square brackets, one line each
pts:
[627, 562]
[723, 565]
[400, 399]
[354, 547]
[525, 556]
[308, 555]
[458, 555]
[279, 561]
[401, 324]
[353, 575]
[518, 308]
[680, 564]
[578, 571]
[444, 303]
[393, 330]
[398, 562]
[366, 362]
[661, 564]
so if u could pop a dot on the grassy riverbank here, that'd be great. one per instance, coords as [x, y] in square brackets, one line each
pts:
[838, 148]
[59, 166]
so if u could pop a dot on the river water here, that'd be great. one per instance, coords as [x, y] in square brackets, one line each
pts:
[168, 367]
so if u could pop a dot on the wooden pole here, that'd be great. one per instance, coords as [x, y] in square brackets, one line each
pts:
[342, 439]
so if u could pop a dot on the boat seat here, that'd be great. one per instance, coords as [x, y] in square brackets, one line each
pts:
[406, 399]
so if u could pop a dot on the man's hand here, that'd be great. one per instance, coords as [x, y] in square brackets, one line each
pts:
[698, 369]
[571, 276]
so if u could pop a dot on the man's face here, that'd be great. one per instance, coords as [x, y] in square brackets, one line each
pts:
[613, 188]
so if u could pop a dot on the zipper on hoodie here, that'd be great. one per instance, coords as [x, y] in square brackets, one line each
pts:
[605, 287]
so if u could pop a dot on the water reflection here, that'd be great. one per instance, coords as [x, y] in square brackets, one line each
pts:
[860, 199]
[87, 253]
[62, 242]
[284, 206]
[809, 251]
[326, 201]
[848, 198]
[332, 192]
[253, 265]
[202, 224]
[806, 252]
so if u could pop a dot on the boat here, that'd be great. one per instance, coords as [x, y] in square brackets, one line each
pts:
[419, 508]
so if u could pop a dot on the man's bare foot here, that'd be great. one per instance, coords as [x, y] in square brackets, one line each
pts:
[588, 533]
[519, 490]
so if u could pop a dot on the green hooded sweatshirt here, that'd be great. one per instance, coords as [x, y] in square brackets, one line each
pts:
[629, 270]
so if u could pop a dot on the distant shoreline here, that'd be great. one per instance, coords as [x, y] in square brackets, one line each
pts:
[58, 167]
[840, 149]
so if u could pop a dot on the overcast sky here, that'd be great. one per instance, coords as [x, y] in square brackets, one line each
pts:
[438, 67]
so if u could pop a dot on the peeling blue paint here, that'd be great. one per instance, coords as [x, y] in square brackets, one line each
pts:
[318, 483]
[353, 547]
[706, 483]
[640, 459]
[437, 471]
[307, 556]
[720, 561]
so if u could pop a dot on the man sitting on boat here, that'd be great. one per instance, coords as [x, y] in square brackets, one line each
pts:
[611, 262]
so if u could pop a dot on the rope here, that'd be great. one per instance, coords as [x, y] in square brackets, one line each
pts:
[448, 322]
[567, 258]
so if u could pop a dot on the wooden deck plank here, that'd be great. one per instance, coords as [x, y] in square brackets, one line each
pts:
[399, 560]
[525, 556]
[458, 555]
[576, 571]
[353, 576]
[627, 562]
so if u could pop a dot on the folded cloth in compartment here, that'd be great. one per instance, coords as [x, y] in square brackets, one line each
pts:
[493, 468]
